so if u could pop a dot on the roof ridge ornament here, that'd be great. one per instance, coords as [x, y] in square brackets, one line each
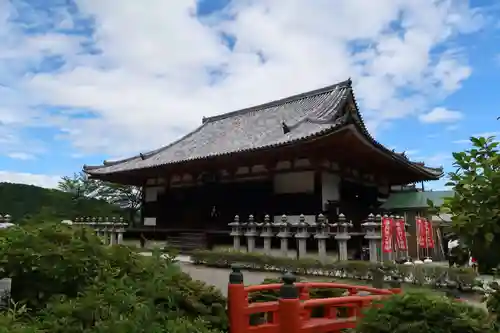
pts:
[285, 127]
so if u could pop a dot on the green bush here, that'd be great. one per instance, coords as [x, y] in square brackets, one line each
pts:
[43, 261]
[431, 275]
[68, 282]
[492, 298]
[419, 312]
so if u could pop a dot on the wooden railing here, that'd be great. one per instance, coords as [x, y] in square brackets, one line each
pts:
[292, 312]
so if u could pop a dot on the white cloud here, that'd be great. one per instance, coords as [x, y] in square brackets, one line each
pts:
[441, 115]
[21, 156]
[438, 159]
[150, 81]
[476, 135]
[29, 178]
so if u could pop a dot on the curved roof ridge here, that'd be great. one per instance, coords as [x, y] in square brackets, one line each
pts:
[143, 156]
[159, 150]
[346, 83]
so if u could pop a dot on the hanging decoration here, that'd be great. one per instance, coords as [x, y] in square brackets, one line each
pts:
[399, 225]
[386, 235]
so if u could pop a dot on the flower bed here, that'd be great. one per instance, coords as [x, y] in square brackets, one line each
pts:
[424, 274]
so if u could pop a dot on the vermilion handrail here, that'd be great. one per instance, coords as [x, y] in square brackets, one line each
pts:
[276, 286]
[312, 303]
[293, 314]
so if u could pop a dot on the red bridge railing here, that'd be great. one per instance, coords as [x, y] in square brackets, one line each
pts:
[292, 312]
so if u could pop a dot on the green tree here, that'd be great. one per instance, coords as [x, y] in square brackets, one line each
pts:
[79, 185]
[128, 198]
[475, 206]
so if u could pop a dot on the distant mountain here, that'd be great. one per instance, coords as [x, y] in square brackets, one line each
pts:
[32, 203]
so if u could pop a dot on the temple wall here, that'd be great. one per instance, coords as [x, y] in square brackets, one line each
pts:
[290, 187]
[330, 187]
[294, 182]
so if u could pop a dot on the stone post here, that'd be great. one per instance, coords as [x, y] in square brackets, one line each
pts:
[322, 235]
[98, 226]
[92, 224]
[267, 234]
[120, 231]
[105, 231]
[236, 232]
[84, 221]
[251, 233]
[373, 235]
[342, 236]
[302, 235]
[111, 231]
[283, 234]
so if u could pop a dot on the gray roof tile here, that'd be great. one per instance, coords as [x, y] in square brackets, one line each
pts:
[306, 115]
[248, 129]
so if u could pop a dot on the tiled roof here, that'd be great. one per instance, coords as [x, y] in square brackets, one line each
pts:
[415, 200]
[305, 115]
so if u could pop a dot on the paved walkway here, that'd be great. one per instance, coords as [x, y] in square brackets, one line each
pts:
[219, 277]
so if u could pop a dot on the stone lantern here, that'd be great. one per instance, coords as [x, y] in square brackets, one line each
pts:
[98, 226]
[251, 233]
[112, 231]
[322, 234]
[236, 232]
[120, 231]
[267, 234]
[302, 235]
[372, 234]
[92, 224]
[342, 236]
[284, 233]
[106, 230]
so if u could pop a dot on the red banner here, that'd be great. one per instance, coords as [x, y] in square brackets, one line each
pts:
[401, 234]
[386, 235]
[429, 239]
[422, 243]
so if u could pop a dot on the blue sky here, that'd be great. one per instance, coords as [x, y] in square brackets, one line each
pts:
[86, 80]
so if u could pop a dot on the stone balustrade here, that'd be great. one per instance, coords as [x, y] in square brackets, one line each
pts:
[110, 230]
[320, 230]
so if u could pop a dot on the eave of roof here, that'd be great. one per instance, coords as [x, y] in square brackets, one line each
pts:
[332, 121]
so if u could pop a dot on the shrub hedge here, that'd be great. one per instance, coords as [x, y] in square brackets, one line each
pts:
[424, 313]
[425, 274]
[65, 281]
